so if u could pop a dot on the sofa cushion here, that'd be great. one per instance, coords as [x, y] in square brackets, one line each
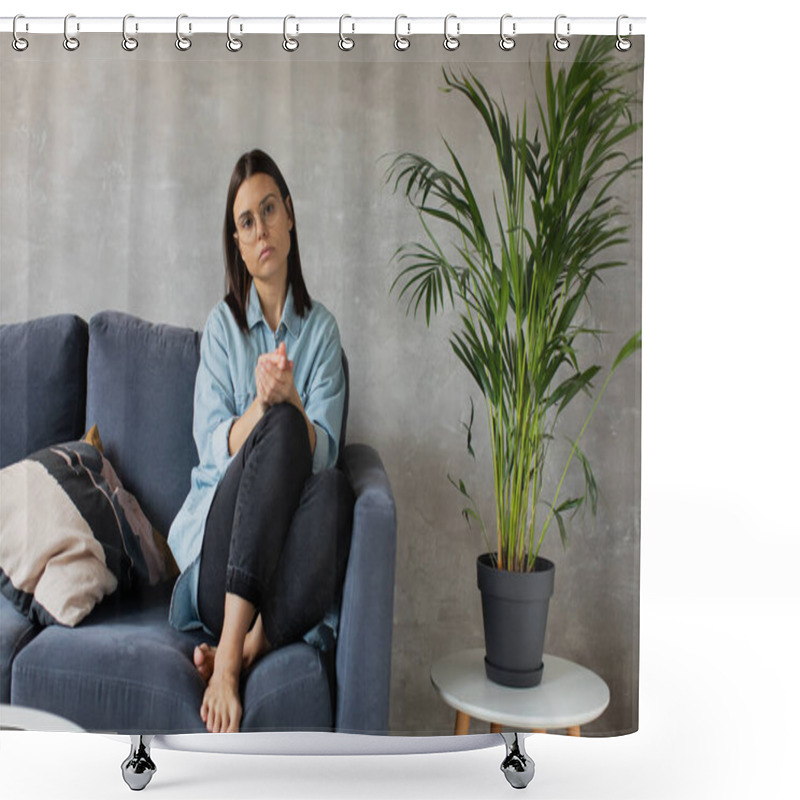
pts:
[289, 689]
[15, 632]
[70, 534]
[42, 384]
[140, 394]
[125, 670]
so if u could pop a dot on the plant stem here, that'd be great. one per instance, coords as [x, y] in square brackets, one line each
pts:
[569, 459]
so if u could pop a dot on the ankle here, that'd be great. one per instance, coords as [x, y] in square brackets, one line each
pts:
[228, 660]
[256, 644]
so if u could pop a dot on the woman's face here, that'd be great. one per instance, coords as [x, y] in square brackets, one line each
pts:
[263, 222]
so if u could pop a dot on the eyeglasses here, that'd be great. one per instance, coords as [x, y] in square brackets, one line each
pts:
[269, 213]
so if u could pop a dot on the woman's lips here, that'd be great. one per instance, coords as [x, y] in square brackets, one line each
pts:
[265, 253]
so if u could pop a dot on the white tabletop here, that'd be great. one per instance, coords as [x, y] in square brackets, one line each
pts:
[568, 695]
[22, 718]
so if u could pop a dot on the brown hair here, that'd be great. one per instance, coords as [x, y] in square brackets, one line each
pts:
[237, 279]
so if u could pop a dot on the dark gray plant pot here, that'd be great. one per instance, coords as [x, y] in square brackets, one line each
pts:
[515, 606]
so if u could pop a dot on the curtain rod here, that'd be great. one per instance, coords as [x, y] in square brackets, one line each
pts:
[453, 25]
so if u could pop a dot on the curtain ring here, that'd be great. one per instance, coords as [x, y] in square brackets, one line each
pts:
[451, 42]
[623, 44]
[401, 42]
[181, 42]
[344, 42]
[560, 42]
[71, 43]
[507, 42]
[290, 43]
[233, 44]
[18, 43]
[129, 43]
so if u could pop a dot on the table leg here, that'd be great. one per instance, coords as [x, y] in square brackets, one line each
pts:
[574, 730]
[495, 727]
[462, 723]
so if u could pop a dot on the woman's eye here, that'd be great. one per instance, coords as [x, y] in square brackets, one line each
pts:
[246, 224]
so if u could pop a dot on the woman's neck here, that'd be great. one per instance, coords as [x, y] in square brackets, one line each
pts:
[272, 298]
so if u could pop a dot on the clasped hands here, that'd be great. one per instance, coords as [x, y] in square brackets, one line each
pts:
[275, 378]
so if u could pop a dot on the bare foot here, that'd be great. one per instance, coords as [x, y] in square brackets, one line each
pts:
[204, 660]
[221, 709]
[255, 646]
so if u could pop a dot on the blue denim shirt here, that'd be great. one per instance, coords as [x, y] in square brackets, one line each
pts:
[224, 388]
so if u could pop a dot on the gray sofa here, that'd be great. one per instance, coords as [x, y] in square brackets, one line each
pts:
[124, 669]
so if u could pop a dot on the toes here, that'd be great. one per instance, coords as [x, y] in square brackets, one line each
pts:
[203, 659]
[213, 720]
[221, 709]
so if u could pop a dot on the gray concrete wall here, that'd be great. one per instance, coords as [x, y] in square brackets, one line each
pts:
[114, 173]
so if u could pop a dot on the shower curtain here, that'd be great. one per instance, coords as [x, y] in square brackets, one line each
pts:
[115, 167]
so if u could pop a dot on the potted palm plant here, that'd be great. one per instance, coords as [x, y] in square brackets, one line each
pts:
[519, 279]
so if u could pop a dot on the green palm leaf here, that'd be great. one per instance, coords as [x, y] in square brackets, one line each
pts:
[521, 284]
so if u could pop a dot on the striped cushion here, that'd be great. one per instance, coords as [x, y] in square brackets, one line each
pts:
[70, 535]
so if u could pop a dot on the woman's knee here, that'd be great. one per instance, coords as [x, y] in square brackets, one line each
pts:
[283, 428]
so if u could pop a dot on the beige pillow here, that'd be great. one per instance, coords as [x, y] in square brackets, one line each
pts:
[70, 534]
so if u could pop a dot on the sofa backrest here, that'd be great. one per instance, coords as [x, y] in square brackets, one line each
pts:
[42, 384]
[140, 394]
[132, 378]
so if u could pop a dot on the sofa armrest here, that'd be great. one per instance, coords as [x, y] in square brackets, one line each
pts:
[364, 650]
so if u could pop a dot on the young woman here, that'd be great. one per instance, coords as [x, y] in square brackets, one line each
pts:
[263, 536]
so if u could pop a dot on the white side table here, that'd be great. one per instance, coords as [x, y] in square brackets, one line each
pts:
[568, 696]
[22, 718]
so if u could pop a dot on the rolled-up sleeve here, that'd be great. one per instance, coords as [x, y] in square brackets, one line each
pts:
[214, 404]
[325, 404]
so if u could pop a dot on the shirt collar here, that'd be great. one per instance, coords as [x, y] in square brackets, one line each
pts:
[290, 320]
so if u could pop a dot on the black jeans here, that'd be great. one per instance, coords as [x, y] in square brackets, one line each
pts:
[276, 535]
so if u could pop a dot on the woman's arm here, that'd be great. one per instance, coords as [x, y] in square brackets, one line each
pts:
[325, 393]
[214, 396]
[274, 376]
[244, 425]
